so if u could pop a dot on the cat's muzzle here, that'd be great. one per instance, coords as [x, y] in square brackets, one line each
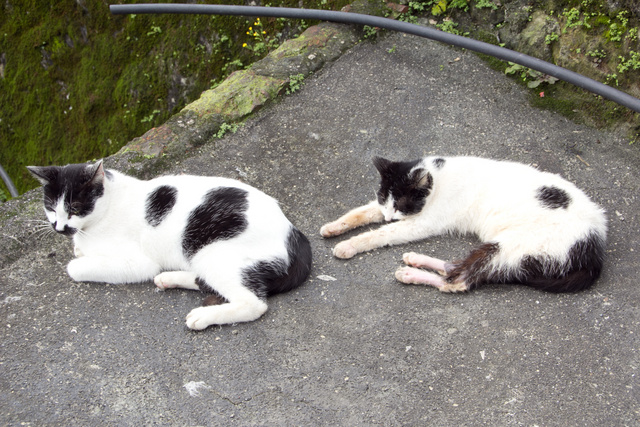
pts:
[67, 231]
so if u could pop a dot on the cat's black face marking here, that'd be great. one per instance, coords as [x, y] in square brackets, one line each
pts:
[219, 217]
[439, 162]
[408, 188]
[553, 197]
[159, 204]
[79, 186]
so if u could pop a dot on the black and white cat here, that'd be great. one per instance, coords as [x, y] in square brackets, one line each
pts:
[214, 234]
[537, 229]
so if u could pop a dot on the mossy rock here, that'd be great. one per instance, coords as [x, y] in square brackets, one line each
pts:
[316, 46]
[240, 94]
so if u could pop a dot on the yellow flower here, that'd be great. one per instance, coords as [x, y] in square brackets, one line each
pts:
[244, 45]
[250, 28]
[264, 32]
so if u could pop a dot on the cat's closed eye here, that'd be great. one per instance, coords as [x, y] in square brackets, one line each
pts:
[74, 209]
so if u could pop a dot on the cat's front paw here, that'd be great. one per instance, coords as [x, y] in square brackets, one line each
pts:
[333, 229]
[77, 270]
[199, 318]
[344, 250]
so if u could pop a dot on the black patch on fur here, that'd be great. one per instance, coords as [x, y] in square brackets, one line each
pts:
[221, 216]
[438, 163]
[580, 271]
[159, 204]
[553, 197]
[474, 269]
[409, 188]
[214, 298]
[78, 184]
[267, 278]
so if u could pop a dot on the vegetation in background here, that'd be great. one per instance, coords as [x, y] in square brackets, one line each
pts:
[595, 38]
[77, 83]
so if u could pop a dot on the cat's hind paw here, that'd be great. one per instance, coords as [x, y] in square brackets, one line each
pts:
[333, 229]
[246, 311]
[414, 276]
[344, 250]
[423, 261]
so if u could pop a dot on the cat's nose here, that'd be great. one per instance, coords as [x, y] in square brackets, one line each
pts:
[66, 230]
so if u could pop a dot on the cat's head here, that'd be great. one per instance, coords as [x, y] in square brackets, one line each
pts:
[70, 193]
[404, 187]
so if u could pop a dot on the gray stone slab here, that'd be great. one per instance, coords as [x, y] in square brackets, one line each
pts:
[361, 349]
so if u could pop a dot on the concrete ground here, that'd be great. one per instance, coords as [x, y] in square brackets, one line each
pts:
[351, 346]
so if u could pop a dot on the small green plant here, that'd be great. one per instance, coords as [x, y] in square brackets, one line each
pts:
[612, 78]
[573, 19]
[226, 128]
[439, 8]
[533, 78]
[633, 63]
[484, 4]
[154, 31]
[369, 32]
[436, 8]
[597, 53]
[236, 63]
[448, 26]
[295, 83]
[150, 117]
[459, 4]
[263, 43]
[550, 38]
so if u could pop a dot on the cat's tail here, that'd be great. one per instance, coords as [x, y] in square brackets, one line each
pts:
[299, 250]
[270, 278]
[578, 272]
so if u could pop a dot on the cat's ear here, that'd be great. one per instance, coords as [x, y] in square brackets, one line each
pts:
[96, 172]
[381, 164]
[44, 174]
[421, 179]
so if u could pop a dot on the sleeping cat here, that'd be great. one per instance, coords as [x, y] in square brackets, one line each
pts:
[537, 229]
[214, 234]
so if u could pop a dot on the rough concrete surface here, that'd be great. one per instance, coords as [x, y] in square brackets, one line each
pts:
[361, 349]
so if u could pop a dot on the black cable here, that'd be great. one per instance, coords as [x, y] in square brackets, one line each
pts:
[391, 24]
[7, 181]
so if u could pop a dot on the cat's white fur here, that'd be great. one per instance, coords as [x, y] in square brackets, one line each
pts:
[494, 200]
[115, 244]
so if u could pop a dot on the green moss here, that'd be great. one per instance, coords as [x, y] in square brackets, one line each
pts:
[237, 96]
[78, 83]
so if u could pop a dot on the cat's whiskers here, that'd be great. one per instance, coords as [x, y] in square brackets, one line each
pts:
[42, 229]
[83, 233]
